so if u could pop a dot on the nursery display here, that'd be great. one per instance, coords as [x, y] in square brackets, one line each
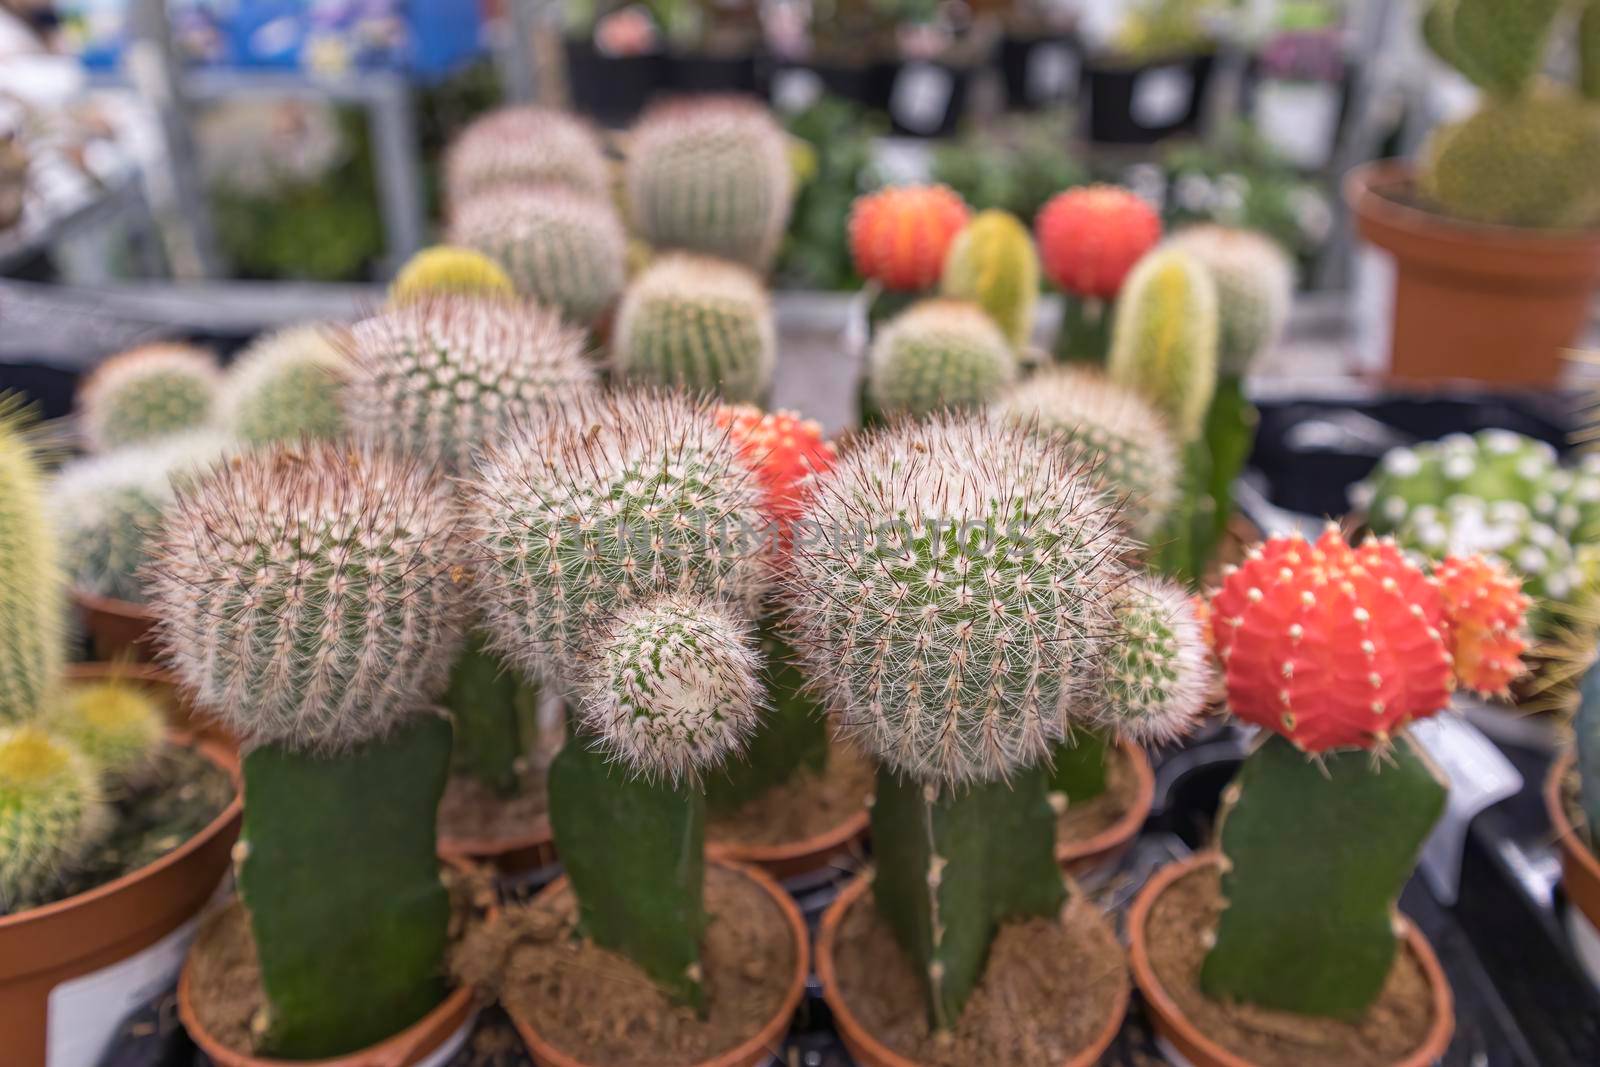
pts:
[1495, 232]
[1089, 239]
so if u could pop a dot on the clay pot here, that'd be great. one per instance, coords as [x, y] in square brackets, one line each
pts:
[1491, 303]
[145, 914]
[515, 854]
[790, 859]
[1580, 870]
[866, 1049]
[1109, 845]
[1202, 1051]
[758, 1049]
[118, 629]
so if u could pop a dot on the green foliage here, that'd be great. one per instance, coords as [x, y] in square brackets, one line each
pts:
[1014, 164]
[835, 166]
[484, 699]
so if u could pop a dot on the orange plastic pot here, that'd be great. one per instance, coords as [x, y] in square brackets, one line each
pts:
[1109, 845]
[1202, 1051]
[788, 859]
[1495, 304]
[118, 629]
[866, 1049]
[514, 854]
[1580, 871]
[750, 1053]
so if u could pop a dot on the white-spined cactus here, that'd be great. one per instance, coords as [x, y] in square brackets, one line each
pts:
[51, 812]
[671, 687]
[1120, 438]
[939, 354]
[525, 146]
[1156, 672]
[286, 386]
[149, 392]
[1255, 287]
[306, 594]
[441, 378]
[32, 593]
[593, 505]
[697, 323]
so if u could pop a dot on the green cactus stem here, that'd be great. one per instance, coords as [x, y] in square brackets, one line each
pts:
[1085, 334]
[1230, 435]
[485, 699]
[32, 587]
[1316, 853]
[341, 881]
[1182, 547]
[1078, 770]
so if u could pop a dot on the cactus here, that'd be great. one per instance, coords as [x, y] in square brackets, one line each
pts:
[1491, 465]
[1164, 341]
[1156, 675]
[51, 813]
[286, 386]
[561, 248]
[711, 175]
[115, 725]
[900, 236]
[1089, 239]
[525, 146]
[441, 379]
[938, 354]
[443, 270]
[1586, 734]
[700, 324]
[32, 600]
[306, 596]
[786, 452]
[993, 264]
[1254, 278]
[1334, 650]
[1121, 440]
[146, 393]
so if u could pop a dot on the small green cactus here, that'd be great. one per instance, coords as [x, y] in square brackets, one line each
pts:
[51, 813]
[147, 393]
[1255, 286]
[567, 250]
[32, 587]
[939, 354]
[993, 263]
[1491, 465]
[286, 386]
[116, 725]
[446, 270]
[700, 324]
[1156, 675]
[1164, 338]
[525, 146]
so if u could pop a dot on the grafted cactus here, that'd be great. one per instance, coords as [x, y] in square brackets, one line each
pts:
[115, 725]
[1089, 239]
[900, 236]
[564, 249]
[1156, 674]
[525, 146]
[711, 175]
[938, 354]
[700, 324]
[443, 378]
[148, 392]
[286, 386]
[51, 813]
[32, 600]
[444, 270]
[994, 265]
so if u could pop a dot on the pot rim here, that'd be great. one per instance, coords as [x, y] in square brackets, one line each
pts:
[817, 846]
[1126, 827]
[1205, 1051]
[110, 605]
[749, 1051]
[1363, 187]
[877, 1054]
[1576, 857]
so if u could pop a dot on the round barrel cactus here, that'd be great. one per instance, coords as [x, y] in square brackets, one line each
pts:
[146, 393]
[900, 236]
[117, 726]
[526, 145]
[1491, 465]
[1090, 238]
[1155, 675]
[939, 354]
[1255, 287]
[51, 812]
[286, 386]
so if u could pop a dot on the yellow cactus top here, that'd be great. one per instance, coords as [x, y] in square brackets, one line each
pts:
[31, 760]
[118, 726]
[447, 269]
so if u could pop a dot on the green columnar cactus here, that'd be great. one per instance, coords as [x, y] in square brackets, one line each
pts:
[1586, 732]
[443, 378]
[147, 393]
[564, 249]
[486, 701]
[938, 354]
[32, 604]
[51, 812]
[306, 595]
[711, 175]
[525, 146]
[1254, 278]
[700, 324]
[993, 264]
[443, 270]
[286, 386]
[1114, 431]
[115, 725]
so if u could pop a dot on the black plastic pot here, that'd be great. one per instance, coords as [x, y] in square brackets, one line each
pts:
[928, 99]
[1121, 99]
[703, 73]
[612, 89]
[1040, 70]
[866, 84]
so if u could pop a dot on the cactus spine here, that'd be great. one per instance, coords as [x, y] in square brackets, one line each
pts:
[993, 264]
[939, 354]
[700, 324]
[147, 393]
[286, 386]
[443, 270]
[32, 604]
[51, 813]
[516, 146]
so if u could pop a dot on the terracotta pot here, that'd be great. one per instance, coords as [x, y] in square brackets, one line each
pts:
[515, 854]
[1202, 1051]
[1580, 870]
[118, 629]
[866, 1049]
[789, 859]
[1490, 303]
[758, 1049]
[123, 940]
[1109, 845]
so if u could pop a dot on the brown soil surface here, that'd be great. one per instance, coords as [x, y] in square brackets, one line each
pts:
[807, 805]
[471, 811]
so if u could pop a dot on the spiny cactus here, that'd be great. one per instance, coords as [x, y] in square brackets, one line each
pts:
[1164, 340]
[32, 600]
[700, 324]
[939, 354]
[601, 502]
[286, 386]
[1491, 465]
[442, 378]
[116, 725]
[1090, 238]
[562, 248]
[525, 146]
[146, 393]
[444, 269]
[1487, 610]
[51, 812]
[1156, 673]
[1121, 440]
[711, 175]
[993, 264]
[900, 236]
[1255, 285]
[107, 508]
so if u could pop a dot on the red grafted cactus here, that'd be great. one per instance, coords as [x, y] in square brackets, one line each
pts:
[899, 236]
[783, 449]
[1335, 646]
[1090, 238]
[1486, 607]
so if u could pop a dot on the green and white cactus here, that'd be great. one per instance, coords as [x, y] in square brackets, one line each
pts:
[52, 812]
[148, 393]
[525, 145]
[286, 386]
[1155, 677]
[939, 354]
[1255, 286]
[700, 324]
[1491, 465]
[32, 589]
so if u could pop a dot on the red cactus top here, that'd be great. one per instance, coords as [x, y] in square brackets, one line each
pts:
[784, 450]
[1335, 646]
[1090, 238]
[899, 236]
